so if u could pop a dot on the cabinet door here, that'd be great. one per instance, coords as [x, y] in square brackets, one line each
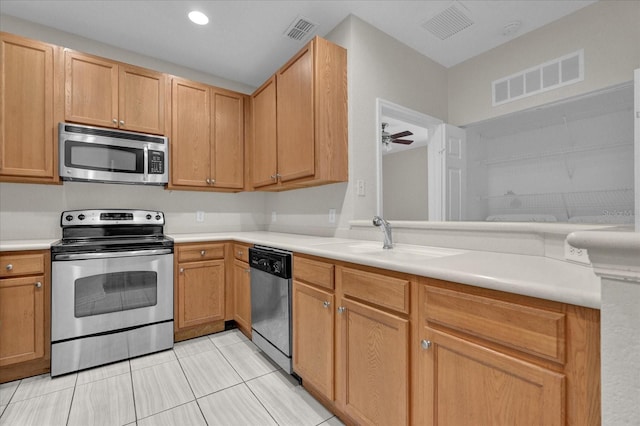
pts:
[313, 331]
[22, 330]
[190, 145]
[265, 164]
[27, 128]
[464, 383]
[200, 293]
[242, 295]
[227, 138]
[142, 97]
[296, 141]
[91, 90]
[373, 374]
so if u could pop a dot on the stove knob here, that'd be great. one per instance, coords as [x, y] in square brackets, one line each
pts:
[158, 217]
[81, 216]
[69, 218]
[277, 267]
[148, 217]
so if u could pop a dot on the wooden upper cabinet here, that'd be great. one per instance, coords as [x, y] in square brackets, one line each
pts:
[264, 161]
[30, 103]
[106, 93]
[295, 117]
[311, 137]
[190, 147]
[143, 99]
[227, 139]
[207, 137]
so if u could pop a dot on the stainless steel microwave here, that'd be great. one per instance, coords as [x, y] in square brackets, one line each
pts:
[95, 154]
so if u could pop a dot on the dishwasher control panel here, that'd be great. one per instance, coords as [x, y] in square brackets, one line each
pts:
[273, 261]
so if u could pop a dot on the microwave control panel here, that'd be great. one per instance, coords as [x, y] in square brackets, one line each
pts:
[156, 162]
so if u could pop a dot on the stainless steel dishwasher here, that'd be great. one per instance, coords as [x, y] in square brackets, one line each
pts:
[271, 303]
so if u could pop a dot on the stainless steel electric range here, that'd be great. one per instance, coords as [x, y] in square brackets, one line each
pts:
[112, 288]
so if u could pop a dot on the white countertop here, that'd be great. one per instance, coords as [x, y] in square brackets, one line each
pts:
[526, 275]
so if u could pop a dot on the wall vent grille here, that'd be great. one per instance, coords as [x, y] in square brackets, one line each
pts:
[559, 72]
[300, 29]
[447, 23]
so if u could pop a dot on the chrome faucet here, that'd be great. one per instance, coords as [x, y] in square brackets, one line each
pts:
[386, 228]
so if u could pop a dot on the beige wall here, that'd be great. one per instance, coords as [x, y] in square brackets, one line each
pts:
[608, 31]
[404, 181]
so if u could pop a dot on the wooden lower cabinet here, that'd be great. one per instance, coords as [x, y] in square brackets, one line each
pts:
[25, 299]
[199, 290]
[399, 349]
[373, 369]
[466, 383]
[242, 296]
[313, 336]
[485, 357]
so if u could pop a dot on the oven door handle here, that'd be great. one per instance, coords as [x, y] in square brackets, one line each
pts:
[107, 255]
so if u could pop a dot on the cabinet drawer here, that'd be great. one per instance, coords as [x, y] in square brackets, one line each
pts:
[382, 290]
[241, 252]
[15, 264]
[313, 272]
[531, 330]
[195, 252]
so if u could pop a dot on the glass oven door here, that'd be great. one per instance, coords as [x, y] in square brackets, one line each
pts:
[91, 296]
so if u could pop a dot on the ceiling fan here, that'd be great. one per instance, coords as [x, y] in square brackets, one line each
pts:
[395, 138]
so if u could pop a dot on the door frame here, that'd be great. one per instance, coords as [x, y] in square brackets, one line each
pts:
[386, 108]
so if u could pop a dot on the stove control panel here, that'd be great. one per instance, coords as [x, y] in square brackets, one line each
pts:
[111, 217]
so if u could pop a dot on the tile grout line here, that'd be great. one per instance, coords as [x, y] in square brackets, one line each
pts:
[11, 397]
[73, 395]
[133, 393]
[245, 381]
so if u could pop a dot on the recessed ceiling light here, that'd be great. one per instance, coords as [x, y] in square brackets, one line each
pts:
[198, 18]
[511, 28]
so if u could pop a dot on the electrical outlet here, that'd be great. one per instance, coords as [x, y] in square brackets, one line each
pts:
[360, 188]
[576, 254]
[199, 216]
[274, 216]
[332, 215]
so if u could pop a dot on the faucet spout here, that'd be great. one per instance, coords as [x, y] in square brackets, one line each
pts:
[386, 228]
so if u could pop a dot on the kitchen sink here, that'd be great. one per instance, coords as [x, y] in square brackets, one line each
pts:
[399, 251]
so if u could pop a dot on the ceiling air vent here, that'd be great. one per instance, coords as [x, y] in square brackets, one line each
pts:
[447, 23]
[300, 29]
[550, 75]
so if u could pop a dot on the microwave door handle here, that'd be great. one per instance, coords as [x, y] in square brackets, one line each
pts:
[146, 163]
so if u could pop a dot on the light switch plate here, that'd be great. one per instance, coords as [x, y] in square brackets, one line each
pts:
[360, 188]
[332, 215]
[199, 216]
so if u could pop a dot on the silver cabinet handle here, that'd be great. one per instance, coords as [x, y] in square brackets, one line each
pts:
[326, 304]
[38, 284]
[341, 309]
[115, 121]
[203, 252]
[239, 252]
[182, 270]
[9, 267]
[208, 181]
[274, 177]
[247, 270]
[426, 344]
[213, 181]
[122, 122]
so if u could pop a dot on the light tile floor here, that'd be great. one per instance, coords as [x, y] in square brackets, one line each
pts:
[220, 379]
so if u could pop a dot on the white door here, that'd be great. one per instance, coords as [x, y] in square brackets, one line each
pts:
[447, 174]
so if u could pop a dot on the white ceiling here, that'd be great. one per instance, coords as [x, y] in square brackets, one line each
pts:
[244, 40]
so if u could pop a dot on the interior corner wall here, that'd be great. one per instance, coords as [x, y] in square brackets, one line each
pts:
[608, 31]
[379, 66]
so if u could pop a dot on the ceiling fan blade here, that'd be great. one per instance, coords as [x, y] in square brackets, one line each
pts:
[401, 134]
[402, 141]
